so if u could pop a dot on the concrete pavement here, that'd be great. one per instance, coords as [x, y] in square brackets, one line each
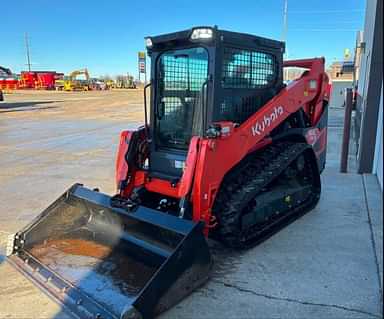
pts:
[328, 264]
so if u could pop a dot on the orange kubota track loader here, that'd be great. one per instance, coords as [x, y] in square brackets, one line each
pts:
[227, 151]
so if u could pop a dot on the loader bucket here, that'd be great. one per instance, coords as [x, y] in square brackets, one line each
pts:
[104, 262]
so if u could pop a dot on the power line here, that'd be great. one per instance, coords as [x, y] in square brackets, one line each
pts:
[325, 11]
[322, 23]
[328, 30]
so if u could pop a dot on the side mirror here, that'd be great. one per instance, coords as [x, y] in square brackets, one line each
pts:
[160, 110]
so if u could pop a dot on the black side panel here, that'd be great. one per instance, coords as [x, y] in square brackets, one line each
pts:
[167, 164]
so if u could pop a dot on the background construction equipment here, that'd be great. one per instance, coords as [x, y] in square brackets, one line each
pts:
[125, 82]
[75, 84]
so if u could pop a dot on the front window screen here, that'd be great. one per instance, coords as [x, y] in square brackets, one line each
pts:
[247, 69]
[181, 75]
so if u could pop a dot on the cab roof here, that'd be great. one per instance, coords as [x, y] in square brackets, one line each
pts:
[228, 37]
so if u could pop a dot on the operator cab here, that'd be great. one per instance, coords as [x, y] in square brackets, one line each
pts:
[201, 76]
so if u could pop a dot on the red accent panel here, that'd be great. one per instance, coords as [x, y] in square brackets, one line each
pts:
[318, 139]
[305, 63]
[162, 187]
[190, 163]
[140, 178]
[121, 169]
[201, 208]
[322, 141]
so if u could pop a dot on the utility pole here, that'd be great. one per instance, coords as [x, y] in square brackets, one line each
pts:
[27, 49]
[285, 21]
[284, 35]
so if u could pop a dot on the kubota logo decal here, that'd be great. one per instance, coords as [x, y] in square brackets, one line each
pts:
[258, 128]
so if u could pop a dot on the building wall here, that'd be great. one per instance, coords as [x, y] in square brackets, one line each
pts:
[368, 36]
[357, 56]
[369, 86]
[378, 161]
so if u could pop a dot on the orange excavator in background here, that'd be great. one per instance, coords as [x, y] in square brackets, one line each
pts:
[227, 151]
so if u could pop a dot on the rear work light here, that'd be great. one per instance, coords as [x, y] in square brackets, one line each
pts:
[202, 33]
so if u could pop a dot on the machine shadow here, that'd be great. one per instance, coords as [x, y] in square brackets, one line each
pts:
[27, 106]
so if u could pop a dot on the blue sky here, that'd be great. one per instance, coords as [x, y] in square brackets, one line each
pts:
[104, 36]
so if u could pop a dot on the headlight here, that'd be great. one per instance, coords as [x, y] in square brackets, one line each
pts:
[148, 42]
[201, 33]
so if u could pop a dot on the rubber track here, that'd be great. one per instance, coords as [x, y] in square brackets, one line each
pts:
[245, 183]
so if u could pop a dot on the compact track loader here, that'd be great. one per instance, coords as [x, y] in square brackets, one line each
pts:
[227, 151]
